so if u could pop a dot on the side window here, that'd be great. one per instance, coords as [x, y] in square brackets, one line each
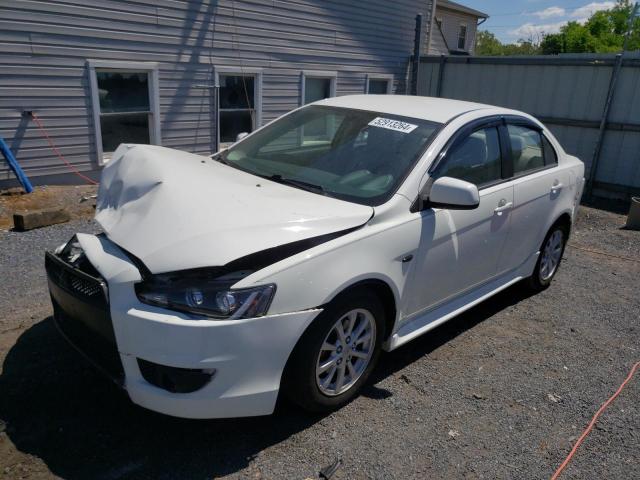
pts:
[526, 148]
[550, 155]
[476, 159]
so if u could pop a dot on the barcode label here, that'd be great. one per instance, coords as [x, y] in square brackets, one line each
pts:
[395, 125]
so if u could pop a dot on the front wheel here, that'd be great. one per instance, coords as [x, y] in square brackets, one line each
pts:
[550, 257]
[337, 353]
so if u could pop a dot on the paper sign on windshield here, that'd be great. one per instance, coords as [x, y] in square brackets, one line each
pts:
[395, 125]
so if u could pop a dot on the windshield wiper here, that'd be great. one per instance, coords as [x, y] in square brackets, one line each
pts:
[220, 157]
[310, 187]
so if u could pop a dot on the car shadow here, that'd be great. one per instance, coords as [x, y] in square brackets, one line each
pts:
[57, 408]
[398, 359]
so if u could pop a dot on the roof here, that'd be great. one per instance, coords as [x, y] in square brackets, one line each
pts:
[460, 8]
[439, 110]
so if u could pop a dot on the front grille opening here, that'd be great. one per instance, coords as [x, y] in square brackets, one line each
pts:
[76, 282]
[84, 287]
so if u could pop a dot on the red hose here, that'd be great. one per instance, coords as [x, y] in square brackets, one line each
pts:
[593, 422]
[58, 153]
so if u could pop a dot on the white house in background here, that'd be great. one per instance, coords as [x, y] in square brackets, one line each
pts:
[453, 29]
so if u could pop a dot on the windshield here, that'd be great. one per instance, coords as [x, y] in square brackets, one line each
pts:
[355, 155]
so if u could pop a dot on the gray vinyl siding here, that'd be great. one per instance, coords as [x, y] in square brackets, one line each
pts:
[451, 21]
[45, 47]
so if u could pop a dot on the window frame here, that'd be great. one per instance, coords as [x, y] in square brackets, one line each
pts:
[151, 68]
[501, 122]
[327, 74]
[386, 77]
[458, 36]
[524, 122]
[257, 92]
[462, 133]
[553, 149]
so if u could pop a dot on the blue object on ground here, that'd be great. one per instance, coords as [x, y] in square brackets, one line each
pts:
[13, 164]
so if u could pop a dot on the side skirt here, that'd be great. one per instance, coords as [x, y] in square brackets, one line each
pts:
[430, 319]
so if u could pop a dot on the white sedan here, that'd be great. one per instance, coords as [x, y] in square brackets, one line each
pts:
[288, 261]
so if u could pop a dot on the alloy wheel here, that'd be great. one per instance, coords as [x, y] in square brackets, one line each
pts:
[346, 352]
[551, 254]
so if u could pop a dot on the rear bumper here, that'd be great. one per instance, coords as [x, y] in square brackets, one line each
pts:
[245, 358]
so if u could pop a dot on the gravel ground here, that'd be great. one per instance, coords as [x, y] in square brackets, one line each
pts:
[502, 391]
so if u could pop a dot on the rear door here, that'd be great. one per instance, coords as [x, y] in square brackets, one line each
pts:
[460, 249]
[539, 184]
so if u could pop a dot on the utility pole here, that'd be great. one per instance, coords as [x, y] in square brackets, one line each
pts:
[415, 65]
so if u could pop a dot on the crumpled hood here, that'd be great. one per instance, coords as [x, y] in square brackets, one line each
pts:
[176, 210]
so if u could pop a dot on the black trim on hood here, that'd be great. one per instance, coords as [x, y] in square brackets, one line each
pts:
[254, 261]
[259, 260]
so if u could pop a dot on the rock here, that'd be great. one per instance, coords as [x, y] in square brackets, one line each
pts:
[554, 398]
[39, 218]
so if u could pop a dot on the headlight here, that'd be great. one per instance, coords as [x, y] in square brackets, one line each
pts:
[206, 292]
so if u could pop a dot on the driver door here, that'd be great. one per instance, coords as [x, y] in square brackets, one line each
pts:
[460, 249]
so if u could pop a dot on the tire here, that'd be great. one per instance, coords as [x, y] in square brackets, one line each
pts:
[543, 274]
[302, 382]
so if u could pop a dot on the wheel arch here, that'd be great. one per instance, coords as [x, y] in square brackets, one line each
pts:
[382, 289]
[564, 219]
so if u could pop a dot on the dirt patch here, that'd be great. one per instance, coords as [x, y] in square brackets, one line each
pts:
[75, 199]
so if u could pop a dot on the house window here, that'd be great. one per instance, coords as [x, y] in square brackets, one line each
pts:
[378, 85]
[240, 101]
[317, 85]
[462, 36]
[125, 104]
[237, 106]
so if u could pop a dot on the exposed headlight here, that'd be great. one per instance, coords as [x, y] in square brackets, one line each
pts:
[206, 292]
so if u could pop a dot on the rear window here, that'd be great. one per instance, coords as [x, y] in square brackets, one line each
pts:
[526, 148]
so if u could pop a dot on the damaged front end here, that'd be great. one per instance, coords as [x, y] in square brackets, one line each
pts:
[178, 211]
[80, 299]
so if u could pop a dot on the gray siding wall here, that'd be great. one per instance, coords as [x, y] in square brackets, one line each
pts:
[568, 93]
[45, 46]
[451, 21]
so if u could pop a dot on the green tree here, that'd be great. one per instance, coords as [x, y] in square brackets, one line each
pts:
[603, 32]
[488, 44]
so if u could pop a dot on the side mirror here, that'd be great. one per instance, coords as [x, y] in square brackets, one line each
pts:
[240, 136]
[452, 194]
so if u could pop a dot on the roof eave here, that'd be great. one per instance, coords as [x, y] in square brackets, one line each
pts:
[461, 8]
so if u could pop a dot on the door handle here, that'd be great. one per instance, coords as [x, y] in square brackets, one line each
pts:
[503, 206]
[556, 186]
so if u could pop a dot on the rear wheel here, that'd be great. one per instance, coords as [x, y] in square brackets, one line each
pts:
[337, 353]
[550, 257]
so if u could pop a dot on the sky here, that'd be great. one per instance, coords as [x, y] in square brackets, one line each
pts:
[515, 19]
